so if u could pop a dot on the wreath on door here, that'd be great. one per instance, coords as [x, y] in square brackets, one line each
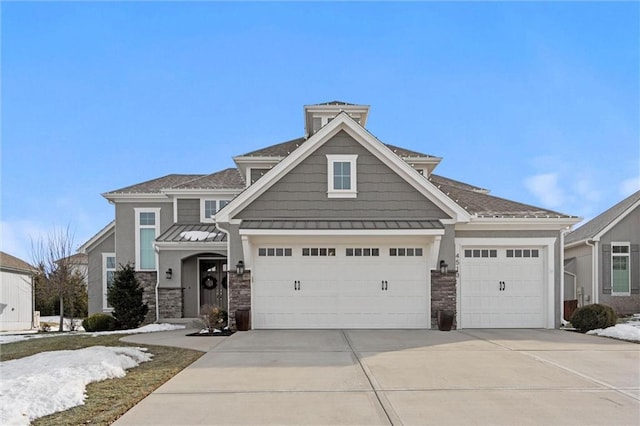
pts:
[209, 282]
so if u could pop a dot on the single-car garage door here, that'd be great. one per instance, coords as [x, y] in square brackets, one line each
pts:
[502, 287]
[325, 285]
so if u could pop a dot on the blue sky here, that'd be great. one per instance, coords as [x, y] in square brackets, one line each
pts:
[538, 102]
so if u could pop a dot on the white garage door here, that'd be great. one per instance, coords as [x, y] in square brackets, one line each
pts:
[340, 286]
[502, 287]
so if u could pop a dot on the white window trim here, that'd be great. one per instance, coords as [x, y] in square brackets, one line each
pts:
[137, 212]
[342, 193]
[202, 210]
[628, 256]
[105, 307]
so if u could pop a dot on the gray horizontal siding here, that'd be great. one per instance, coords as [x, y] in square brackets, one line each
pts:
[257, 174]
[188, 211]
[302, 193]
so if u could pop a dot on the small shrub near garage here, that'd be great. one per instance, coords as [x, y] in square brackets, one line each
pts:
[99, 322]
[591, 317]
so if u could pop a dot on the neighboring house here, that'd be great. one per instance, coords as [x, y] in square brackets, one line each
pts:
[335, 229]
[602, 258]
[79, 264]
[16, 295]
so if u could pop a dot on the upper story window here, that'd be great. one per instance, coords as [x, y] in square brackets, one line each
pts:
[147, 229]
[620, 269]
[108, 274]
[342, 176]
[209, 208]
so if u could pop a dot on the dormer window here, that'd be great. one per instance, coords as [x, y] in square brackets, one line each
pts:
[209, 208]
[342, 176]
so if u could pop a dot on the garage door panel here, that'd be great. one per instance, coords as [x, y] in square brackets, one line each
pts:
[341, 291]
[501, 291]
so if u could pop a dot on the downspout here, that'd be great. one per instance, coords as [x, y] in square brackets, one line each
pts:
[157, 284]
[562, 234]
[594, 270]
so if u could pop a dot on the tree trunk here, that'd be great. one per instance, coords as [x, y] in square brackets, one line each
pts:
[61, 314]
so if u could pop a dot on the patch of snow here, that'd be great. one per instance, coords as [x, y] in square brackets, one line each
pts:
[66, 323]
[619, 331]
[196, 235]
[49, 382]
[150, 328]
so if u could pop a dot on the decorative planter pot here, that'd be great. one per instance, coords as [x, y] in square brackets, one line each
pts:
[444, 320]
[242, 319]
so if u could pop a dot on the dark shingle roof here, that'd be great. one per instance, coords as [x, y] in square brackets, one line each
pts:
[203, 233]
[225, 179]
[600, 222]
[335, 103]
[278, 150]
[155, 185]
[484, 205]
[11, 262]
[402, 152]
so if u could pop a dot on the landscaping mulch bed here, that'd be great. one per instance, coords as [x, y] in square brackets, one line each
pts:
[222, 333]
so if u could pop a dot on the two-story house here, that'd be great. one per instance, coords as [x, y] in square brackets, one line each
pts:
[335, 229]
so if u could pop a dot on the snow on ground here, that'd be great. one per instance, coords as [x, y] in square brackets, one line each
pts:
[49, 382]
[151, 328]
[629, 331]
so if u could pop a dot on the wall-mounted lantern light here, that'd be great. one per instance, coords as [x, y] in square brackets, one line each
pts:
[240, 267]
[169, 273]
[444, 268]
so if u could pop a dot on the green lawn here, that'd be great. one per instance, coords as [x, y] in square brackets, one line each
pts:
[107, 400]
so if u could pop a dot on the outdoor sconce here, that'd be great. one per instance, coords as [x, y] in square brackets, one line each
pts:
[444, 268]
[169, 273]
[240, 268]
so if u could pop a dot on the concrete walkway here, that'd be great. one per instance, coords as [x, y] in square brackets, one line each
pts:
[410, 377]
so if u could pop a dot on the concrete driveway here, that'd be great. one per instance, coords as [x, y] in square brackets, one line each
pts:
[410, 377]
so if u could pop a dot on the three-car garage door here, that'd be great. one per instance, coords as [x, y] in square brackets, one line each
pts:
[502, 287]
[345, 285]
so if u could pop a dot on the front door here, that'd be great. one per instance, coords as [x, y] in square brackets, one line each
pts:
[213, 282]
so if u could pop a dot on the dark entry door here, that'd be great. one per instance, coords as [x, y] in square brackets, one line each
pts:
[213, 282]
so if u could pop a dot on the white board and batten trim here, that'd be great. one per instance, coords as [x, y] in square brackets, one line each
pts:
[531, 270]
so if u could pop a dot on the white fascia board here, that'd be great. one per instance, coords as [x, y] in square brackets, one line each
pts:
[524, 224]
[616, 221]
[132, 198]
[341, 232]
[258, 160]
[99, 237]
[201, 192]
[576, 243]
[189, 245]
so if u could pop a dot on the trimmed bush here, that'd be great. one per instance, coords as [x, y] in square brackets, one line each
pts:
[99, 322]
[594, 316]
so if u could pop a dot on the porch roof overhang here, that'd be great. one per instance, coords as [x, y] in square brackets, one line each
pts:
[341, 227]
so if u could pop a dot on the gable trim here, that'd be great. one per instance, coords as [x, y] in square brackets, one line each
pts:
[615, 221]
[99, 237]
[369, 142]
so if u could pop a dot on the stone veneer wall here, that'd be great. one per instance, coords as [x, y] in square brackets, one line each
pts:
[239, 295]
[170, 302]
[148, 281]
[443, 295]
